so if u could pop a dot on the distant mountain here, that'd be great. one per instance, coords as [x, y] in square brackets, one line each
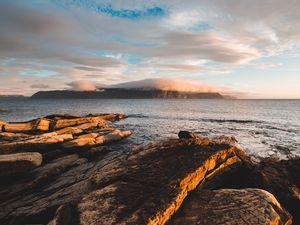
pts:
[120, 93]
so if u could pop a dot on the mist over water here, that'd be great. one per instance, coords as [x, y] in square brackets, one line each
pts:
[262, 127]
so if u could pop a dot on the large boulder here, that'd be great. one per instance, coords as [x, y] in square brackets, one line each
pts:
[232, 206]
[153, 183]
[19, 162]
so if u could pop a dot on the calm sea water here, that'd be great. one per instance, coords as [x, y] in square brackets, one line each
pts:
[262, 127]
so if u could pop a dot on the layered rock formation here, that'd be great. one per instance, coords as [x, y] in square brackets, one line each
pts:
[64, 131]
[178, 181]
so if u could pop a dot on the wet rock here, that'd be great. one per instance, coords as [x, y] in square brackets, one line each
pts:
[153, 182]
[2, 110]
[186, 134]
[232, 206]
[19, 163]
[226, 140]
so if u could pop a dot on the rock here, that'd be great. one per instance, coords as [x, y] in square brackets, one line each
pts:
[2, 110]
[153, 182]
[2, 126]
[62, 123]
[115, 135]
[36, 142]
[186, 134]
[19, 162]
[93, 139]
[226, 140]
[110, 117]
[232, 206]
[62, 181]
[64, 215]
[279, 177]
[69, 130]
[31, 126]
[87, 126]
[61, 116]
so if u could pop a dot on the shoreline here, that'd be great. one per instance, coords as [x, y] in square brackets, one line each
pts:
[80, 163]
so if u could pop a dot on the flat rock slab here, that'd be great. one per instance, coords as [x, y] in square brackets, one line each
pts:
[19, 162]
[59, 131]
[153, 183]
[231, 206]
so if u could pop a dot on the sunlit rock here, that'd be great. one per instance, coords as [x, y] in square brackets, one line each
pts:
[153, 183]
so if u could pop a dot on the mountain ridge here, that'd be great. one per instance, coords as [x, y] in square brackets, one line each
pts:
[123, 93]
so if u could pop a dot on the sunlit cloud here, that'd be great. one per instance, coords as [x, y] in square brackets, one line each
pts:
[109, 42]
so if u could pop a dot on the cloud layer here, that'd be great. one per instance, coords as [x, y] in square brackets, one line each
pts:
[67, 42]
[167, 84]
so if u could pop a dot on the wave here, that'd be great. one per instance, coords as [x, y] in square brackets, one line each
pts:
[137, 116]
[231, 121]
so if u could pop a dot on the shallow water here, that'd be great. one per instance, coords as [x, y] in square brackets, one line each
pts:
[262, 127]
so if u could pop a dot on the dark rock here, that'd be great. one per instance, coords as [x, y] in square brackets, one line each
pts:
[231, 206]
[279, 177]
[19, 163]
[186, 134]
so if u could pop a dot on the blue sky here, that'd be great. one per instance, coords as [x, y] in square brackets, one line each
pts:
[249, 49]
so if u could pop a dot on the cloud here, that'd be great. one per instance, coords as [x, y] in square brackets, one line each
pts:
[82, 85]
[168, 84]
[114, 41]
[40, 86]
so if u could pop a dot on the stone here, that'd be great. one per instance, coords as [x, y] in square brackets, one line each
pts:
[2, 110]
[186, 134]
[69, 130]
[94, 139]
[19, 162]
[2, 126]
[36, 142]
[115, 135]
[87, 126]
[31, 126]
[154, 181]
[64, 215]
[109, 117]
[61, 116]
[97, 121]
[62, 123]
[231, 206]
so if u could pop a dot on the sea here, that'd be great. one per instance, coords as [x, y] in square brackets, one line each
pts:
[264, 128]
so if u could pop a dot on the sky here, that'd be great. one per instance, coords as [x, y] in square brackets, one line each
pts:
[247, 48]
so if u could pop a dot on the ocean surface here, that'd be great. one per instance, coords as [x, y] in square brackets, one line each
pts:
[262, 127]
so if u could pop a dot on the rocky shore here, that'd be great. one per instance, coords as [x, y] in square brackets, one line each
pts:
[67, 169]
